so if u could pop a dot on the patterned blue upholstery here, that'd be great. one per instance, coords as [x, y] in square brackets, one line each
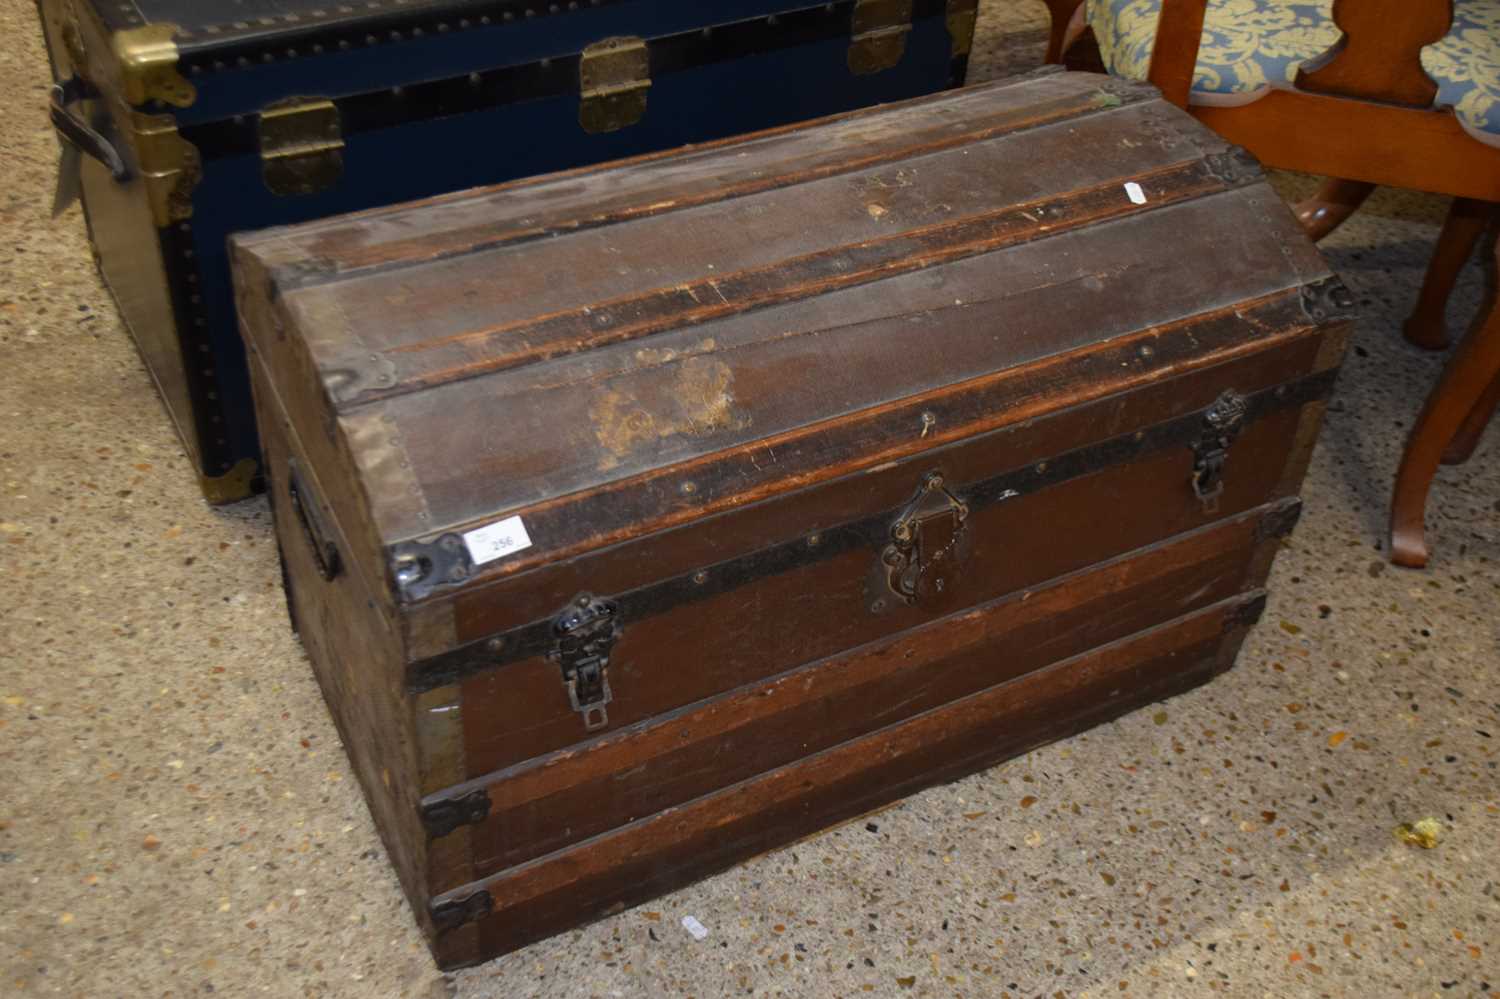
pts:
[1250, 45]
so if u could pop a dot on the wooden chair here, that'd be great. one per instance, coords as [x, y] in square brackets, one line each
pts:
[1355, 105]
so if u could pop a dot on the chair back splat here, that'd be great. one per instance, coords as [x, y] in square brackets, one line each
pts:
[1380, 56]
[1178, 34]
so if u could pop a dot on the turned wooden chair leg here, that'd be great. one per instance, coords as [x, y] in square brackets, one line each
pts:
[1063, 14]
[1461, 448]
[1471, 373]
[1335, 201]
[1466, 221]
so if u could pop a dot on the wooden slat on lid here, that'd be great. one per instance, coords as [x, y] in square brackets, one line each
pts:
[551, 434]
[536, 207]
[612, 352]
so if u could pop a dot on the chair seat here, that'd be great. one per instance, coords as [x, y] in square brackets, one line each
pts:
[1251, 45]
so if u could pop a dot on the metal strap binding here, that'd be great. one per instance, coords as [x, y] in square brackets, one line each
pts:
[873, 533]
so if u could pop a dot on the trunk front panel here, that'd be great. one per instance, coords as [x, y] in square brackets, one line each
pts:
[702, 648]
[564, 797]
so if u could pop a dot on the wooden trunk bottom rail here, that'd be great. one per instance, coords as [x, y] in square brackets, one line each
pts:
[563, 797]
[605, 874]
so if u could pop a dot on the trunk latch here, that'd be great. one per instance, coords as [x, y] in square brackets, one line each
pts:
[927, 542]
[301, 146]
[613, 78]
[586, 633]
[1222, 423]
[878, 30]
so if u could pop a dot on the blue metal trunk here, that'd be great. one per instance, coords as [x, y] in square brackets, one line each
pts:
[237, 116]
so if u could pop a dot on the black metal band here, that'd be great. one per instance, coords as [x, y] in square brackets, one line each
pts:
[872, 533]
[548, 77]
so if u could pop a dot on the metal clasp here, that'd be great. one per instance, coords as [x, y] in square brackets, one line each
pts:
[613, 77]
[878, 31]
[586, 633]
[927, 543]
[301, 145]
[1222, 424]
[450, 914]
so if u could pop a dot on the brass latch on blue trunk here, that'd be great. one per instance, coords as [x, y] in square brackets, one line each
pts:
[301, 145]
[878, 33]
[613, 77]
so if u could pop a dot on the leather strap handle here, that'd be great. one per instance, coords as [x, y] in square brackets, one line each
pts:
[325, 553]
[77, 133]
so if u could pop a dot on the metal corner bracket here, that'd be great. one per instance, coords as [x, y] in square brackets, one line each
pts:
[231, 487]
[146, 61]
[1245, 615]
[1328, 300]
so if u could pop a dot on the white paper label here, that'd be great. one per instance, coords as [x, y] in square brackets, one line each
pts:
[1136, 195]
[497, 540]
[697, 929]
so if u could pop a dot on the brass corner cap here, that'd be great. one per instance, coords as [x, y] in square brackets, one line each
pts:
[231, 487]
[146, 58]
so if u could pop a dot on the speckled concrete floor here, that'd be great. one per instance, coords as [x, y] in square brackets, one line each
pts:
[177, 817]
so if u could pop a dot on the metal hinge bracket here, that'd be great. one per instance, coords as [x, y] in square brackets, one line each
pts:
[1222, 423]
[613, 77]
[927, 542]
[586, 634]
[169, 165]
[962, 17]
[878, 30]
[442, 817]
[452, 914]
[301, 145]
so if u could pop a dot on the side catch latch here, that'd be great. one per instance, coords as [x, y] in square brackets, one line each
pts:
[1222, 423]
[586, 634]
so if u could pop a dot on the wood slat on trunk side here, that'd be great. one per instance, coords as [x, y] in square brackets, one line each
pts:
[696, 515]
[355, 656]
[485, 312]
[700, 649]
[549, 802]
[1022, 440]
[679, 845]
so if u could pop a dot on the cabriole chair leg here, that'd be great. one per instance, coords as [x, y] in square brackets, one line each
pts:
[1335, 201]
[1460, 396]
[1467, 218]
